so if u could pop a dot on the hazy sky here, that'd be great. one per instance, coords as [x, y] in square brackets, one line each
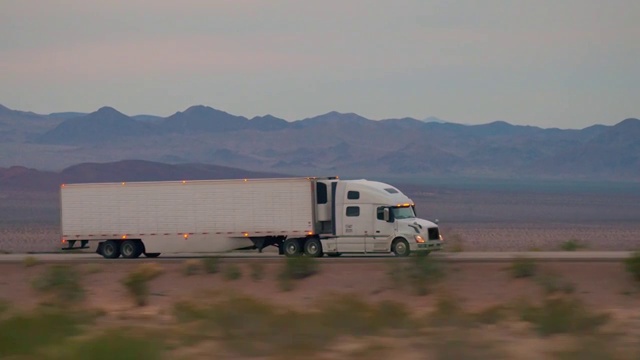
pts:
[556, 63]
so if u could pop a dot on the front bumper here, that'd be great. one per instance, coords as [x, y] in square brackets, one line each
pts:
[431, 245]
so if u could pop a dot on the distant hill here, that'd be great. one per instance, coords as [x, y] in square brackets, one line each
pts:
[22, 178]
[330, 143]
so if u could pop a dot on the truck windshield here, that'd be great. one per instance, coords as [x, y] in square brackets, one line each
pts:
[403, 212]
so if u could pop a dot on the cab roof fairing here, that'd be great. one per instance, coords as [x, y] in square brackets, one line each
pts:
[375, 192]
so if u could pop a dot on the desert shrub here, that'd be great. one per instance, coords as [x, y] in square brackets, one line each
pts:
[419, 273]
[589, 348]
[211, 264]
[491, 315]
[257, 271]
[522, 267]
[571, 245]
[128, 344]
[463, 345]
[552, 283]
[561, 315]
[296, 268]
[62, 283]
[137, 282]
[30, 261]
[632, 264]
[232, 272]
[24, 334]
[191, 267]
[4, 306]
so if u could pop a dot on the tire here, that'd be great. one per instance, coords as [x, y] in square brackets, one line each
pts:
[313, 248]
[292, 247]
[111, 249]
[400, 248]
[130, 249]
[335, 254]
[152, 255]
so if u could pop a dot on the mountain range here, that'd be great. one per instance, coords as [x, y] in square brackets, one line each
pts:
[334, 143]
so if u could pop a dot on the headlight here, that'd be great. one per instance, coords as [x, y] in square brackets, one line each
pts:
[441, 238]
[418, 238]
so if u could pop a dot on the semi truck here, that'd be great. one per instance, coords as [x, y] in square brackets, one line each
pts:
[300, 216]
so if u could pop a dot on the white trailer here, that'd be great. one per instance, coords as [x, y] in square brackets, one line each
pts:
[311, 216]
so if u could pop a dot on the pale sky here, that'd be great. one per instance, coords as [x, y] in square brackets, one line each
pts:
[548, 63]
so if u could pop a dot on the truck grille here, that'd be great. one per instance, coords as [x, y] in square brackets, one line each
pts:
[434, 233]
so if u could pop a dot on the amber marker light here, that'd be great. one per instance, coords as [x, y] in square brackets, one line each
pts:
[186, 236]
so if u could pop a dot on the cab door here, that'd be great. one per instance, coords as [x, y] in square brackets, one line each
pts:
[353, 234]
[382, 231]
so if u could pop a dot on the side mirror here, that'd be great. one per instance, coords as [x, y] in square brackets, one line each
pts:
[436, 221]
[386, 214]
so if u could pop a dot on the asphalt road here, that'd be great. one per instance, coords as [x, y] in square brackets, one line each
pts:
[557, 256]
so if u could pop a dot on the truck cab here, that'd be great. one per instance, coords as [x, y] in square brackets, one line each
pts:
[362, 216]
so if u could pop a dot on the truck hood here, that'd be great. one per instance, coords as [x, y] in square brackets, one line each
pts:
[415, 225]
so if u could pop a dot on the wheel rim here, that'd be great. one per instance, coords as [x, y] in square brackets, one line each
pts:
[109, 249]
[312, 248]
[401, 248]
[127, 249]
[291, 248]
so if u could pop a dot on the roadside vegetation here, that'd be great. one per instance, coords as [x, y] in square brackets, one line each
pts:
[336, 325]
[137, 282]
[632, 264]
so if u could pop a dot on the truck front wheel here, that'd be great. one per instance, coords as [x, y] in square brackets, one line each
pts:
[292, 247]
[400, 247]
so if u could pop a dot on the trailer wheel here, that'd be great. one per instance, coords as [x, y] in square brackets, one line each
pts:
[111, 249]
[400, 247]
[313, 248]
[292, 247]
[130, 249]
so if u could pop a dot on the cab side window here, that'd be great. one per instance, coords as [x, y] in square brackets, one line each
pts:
[353, 210]
[380, 213]
[353, 195]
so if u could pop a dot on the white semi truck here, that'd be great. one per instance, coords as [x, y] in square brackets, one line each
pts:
[310, 216]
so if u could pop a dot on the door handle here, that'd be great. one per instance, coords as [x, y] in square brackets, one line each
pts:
[377, 231]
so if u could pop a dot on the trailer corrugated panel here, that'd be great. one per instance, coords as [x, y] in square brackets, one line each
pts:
[254, 206]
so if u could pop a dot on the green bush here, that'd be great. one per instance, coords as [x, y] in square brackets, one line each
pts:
[211, 264]
[561, 315]
[571, 245]
[191, 267]
[232, 272]
[523, 267]
[552, 283]
[419, 273]
[632, 264]
[296, 268]
[257, 271]
[30, 261]
[137, 282]
[24, 334]
[123, 344]
[62, 282]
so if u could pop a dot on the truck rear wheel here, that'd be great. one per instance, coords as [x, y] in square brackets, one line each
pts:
[292, 247]
[111, 249]
[131, 249]
[313, 248]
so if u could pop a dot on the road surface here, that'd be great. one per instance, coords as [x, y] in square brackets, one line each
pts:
[562, 256]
